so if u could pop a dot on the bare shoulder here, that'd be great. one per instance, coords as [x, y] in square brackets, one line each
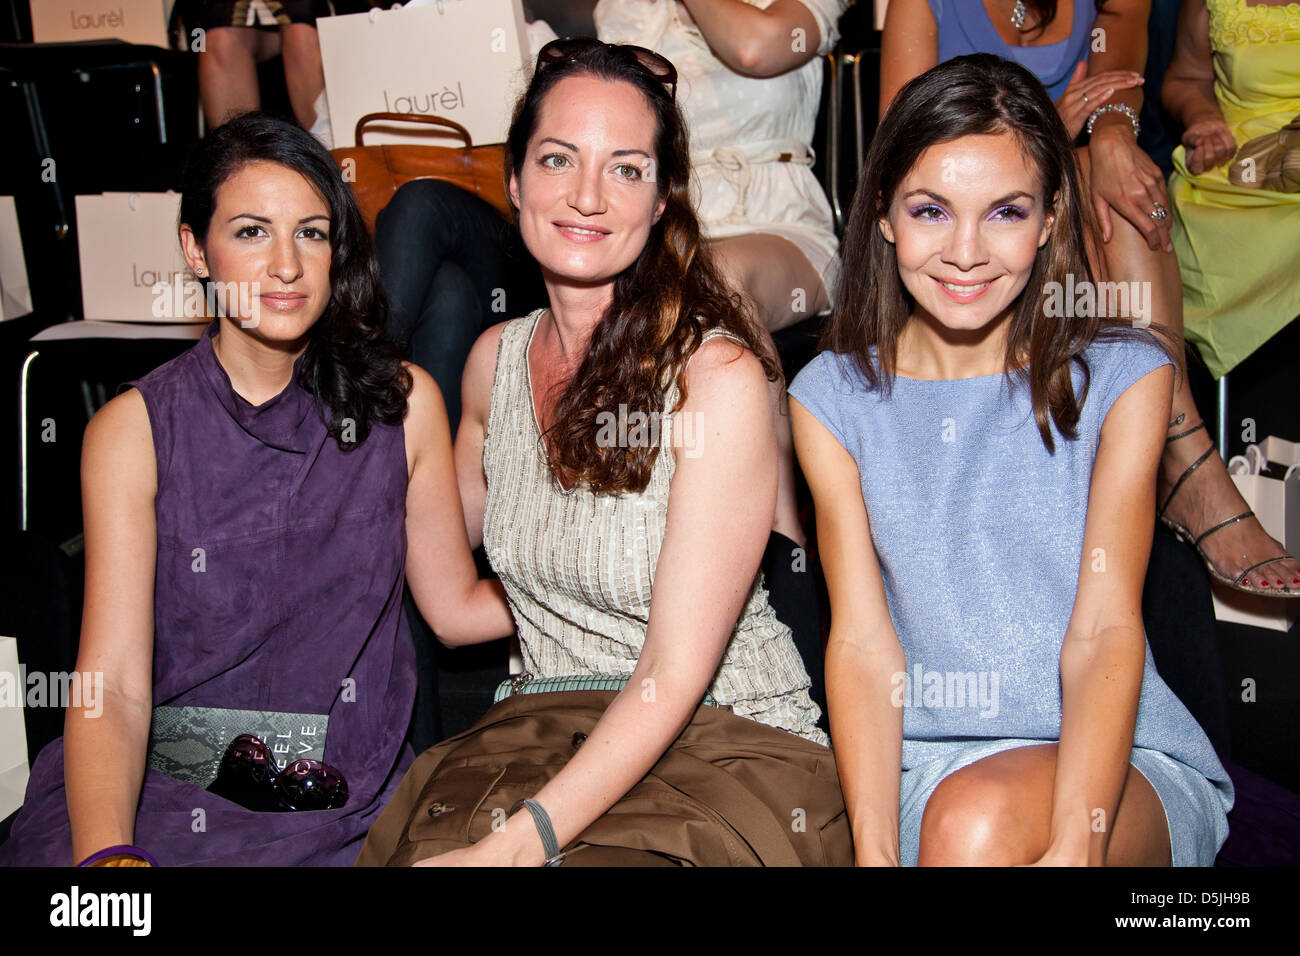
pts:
[118, 444]
[723, 366]
[122, 424]
[425, 399]
[483, 356]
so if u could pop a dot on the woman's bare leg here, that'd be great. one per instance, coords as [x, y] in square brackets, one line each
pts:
[998, 812]
[783, 288]
[228, 70]
[303, 73]
[1209, 495]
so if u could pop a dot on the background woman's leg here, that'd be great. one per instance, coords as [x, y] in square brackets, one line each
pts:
[450, 272]
[1209, 496]
[228, 70]
[304, 76]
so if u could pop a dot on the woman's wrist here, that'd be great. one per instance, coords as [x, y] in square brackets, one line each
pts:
[517, 843]
[121, 854]
[1112, 117]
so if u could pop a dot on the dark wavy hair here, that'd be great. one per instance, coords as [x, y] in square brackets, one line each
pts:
[967, 96]
[350, 366]
[663, 302]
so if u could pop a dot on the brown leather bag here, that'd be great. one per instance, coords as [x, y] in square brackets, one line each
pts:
[729, 792]
[376, 172]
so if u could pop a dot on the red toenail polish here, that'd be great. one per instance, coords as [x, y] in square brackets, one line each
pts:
[1263, 584]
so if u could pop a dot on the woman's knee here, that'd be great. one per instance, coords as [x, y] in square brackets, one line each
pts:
[966, 823]
[227, 46]
[994, 812]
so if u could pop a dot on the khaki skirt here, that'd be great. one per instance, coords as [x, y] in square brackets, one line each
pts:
[729, 792]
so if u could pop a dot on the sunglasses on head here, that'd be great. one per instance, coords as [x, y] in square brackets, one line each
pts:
[250, 777]
[569, 48]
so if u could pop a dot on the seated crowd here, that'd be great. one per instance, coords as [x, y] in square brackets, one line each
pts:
[985, 476]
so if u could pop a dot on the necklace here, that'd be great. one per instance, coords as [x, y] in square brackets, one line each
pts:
[1018, 14]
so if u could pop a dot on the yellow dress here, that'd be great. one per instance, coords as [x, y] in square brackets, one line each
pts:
[1239, 247]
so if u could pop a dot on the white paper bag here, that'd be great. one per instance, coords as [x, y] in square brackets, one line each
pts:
[1276, 502]
[15, 289]
[67, 21]
[464, 60]
[13, 730]
[132, 269]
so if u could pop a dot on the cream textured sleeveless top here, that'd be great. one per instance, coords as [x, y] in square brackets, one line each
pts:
[578, 567]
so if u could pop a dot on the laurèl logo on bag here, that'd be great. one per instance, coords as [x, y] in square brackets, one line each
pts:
[152, 277]
[88, 21]
[432, 102]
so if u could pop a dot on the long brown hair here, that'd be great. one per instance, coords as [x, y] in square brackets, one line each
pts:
[966, 96]
[663, 302]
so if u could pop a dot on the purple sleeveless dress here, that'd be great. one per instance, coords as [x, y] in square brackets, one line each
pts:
[299, 609]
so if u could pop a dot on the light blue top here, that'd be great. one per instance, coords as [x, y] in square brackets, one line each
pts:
[965, 27]
[979, 533]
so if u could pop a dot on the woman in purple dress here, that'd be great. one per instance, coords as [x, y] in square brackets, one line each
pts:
[248, 510]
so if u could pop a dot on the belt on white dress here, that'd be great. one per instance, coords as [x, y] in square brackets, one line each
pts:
[734, 163]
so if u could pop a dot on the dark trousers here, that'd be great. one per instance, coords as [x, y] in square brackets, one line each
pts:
[452, 267]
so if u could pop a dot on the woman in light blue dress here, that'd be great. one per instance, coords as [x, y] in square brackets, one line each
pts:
[983, 519]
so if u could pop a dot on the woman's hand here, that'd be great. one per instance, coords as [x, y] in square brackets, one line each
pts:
[1124, 179]
[479, 854]
[1085, 93]
[1209, 144]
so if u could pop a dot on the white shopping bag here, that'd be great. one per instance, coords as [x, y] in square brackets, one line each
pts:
[1276, 502]
[15, 289]
[464, 60]
[13, 730]
[67, 21]
[132, 269]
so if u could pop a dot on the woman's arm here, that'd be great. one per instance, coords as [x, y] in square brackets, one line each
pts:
[863, 656]
[1121, 45]
[909, 46]
[460, 607]
[475, 403]
[757, 42]
[1123, 178]
[720, 510]
[1104, 649]
[1188, 91]
[105, 746]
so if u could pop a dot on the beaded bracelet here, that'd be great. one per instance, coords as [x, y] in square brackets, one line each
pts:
[120, 850]
[1114, 108]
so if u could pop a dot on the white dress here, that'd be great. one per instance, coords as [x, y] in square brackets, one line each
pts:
[741, 127]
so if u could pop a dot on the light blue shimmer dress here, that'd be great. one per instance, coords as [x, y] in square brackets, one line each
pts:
[979, 533]
[965, 27]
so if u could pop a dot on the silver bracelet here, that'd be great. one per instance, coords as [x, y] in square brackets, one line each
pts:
[1114, 108]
